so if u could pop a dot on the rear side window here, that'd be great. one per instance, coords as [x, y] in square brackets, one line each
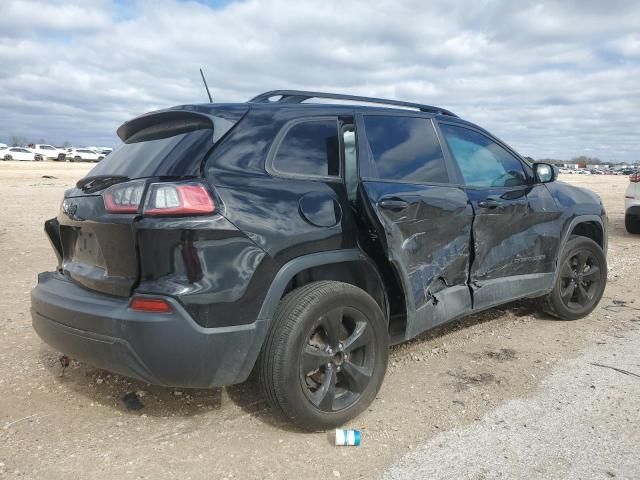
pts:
[405, 149]
[309, 148]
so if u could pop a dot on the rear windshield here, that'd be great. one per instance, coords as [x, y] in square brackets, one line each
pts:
[170, 143]
[176, 156]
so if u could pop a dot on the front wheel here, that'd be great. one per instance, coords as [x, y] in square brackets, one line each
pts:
[8, 158]
[632, 223]
[325, 356]
[581, 279]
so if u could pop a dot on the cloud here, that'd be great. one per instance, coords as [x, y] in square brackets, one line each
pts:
[551, 79]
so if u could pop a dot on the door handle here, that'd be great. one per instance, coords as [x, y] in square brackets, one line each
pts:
[489, 203]
[393, 204]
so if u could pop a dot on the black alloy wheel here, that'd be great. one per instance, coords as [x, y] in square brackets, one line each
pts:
[325, 355]
[580, 282]
[337, 362]
[580, 277]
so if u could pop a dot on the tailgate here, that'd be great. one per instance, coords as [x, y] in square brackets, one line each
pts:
[98, 248]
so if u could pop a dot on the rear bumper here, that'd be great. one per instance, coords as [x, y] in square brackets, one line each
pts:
[167, 349]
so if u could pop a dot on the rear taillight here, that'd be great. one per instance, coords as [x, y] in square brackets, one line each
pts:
[153, 305]
[178, 199]
[124, 197]
[168, 199]
[634, 177]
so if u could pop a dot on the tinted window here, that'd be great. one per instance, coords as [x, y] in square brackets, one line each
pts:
[46, 147]
[178, 155]
[483, 162]
[406, 149]
[310, 148]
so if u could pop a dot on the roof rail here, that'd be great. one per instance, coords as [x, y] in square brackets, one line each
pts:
[299, 96]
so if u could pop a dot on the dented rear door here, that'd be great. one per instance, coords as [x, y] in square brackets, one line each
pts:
[421, 217]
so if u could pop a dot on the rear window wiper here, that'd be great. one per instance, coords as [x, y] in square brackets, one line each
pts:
[98, 182]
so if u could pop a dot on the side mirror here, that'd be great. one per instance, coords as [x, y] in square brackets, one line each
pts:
[544, 172]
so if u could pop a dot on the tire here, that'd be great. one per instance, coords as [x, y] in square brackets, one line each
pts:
[632, 224]
[77, 159]
[300, 337]
[7, 158]
[580, 282]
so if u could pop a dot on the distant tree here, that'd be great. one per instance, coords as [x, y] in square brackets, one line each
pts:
[17, 141]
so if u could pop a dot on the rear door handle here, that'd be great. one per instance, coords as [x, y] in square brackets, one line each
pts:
[393, 204]
[489, 203]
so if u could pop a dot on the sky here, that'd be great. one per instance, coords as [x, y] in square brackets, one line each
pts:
[552, 79]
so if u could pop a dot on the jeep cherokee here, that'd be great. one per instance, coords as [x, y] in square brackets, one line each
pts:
[303, 239]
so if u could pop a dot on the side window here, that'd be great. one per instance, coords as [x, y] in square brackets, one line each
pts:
[310, 148]
[350, 161]
[405, 149]
[483, 162]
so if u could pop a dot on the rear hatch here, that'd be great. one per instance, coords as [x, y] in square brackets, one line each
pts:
[96, 247]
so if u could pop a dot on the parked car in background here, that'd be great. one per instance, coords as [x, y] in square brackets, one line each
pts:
[83, 155]
[21, 153]
[565, 170]
[223, 237]
[49, 152]
[628, 171]
[632, 204]
[101, 150]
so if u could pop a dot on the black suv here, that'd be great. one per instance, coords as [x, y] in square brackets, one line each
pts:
[303, 239]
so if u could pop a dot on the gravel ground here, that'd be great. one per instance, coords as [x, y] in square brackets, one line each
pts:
[581, 423]
[61, 426]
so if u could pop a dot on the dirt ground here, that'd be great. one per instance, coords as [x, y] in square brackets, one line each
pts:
[75, 425]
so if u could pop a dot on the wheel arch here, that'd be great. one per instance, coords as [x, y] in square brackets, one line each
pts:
[350, 266]
[590, 226]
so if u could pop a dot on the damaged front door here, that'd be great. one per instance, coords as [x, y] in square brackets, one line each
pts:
[423, 221]
[513, 250]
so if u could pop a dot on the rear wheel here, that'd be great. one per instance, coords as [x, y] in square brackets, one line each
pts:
[632, 223]
[581, 280]
[326, 355]
[77, 159]
[8, 157]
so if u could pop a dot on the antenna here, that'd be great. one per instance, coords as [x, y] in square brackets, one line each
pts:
[206, 86]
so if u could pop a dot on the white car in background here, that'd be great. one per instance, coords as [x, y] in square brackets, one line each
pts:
[632, 204]
[49, 152]
[20, 153]
[83, 155]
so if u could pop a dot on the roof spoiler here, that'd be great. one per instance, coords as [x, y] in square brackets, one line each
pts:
[174, 121]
